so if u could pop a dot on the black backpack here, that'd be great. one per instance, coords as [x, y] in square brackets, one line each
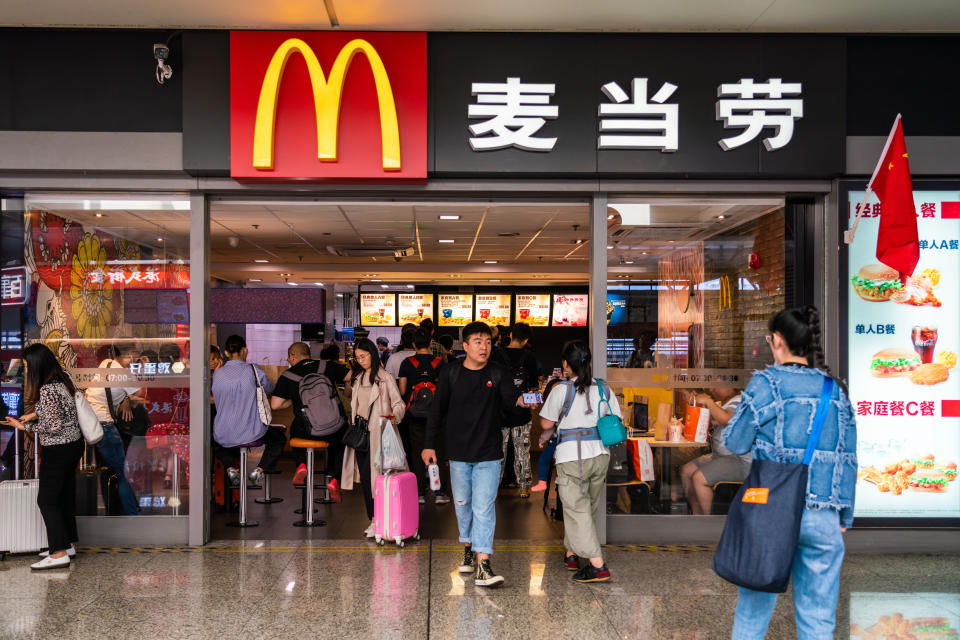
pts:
[424, 387]
[520, 378]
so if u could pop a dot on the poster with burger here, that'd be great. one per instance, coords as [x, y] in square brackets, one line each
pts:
[902, 337]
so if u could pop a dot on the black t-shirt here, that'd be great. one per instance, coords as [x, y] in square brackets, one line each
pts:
[408, 371]
[470, 412]
[290, 390]
[337, 372]
[517, 360]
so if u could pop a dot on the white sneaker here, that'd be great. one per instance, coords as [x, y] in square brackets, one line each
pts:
[369, 532]
[51, 563]
[71, 551]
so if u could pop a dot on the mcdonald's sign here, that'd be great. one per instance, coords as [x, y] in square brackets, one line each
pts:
[328, 106]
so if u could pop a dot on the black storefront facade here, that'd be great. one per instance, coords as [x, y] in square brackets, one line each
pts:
[606, 120]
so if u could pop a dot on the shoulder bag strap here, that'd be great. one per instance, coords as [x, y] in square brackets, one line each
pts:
[822, 407]
[601, 383]
[110, 407]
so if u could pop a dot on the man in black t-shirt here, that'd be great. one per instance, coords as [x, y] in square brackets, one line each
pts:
[467, 409]
[287, 393]
[336, 371]
[516, 420]
[415, 382]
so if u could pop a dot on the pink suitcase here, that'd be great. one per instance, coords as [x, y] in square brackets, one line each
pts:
[396, 510]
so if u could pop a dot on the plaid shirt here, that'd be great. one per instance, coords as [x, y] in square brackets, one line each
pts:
[437, 349]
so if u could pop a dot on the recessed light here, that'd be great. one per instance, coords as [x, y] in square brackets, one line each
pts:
[99, 214]
[628, 262]
[455, 275]
[610, 217]
[368, 275]
[609, 246]
[644, 253]
[384, 286]
[446, 241]
[376, 281]
[339, 295]
[489, 262]
[261, 260]
[254, 280]
[285, 275]
[494, 281]
[319, 284]
[159, 239]
[578, 241]
[293, 284]
[449, 217]
[410, 286]
[721, 217]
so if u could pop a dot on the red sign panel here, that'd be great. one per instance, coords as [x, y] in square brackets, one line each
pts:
[328, 105]
[15, 285]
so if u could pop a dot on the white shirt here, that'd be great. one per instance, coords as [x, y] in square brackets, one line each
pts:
[97, 396]
[578, 418]
[395, 360]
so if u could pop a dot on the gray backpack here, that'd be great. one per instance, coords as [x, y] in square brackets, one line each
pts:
[321, 403]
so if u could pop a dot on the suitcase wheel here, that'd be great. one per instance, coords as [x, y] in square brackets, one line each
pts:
[400, 543]
[416, 536]
[380, 541]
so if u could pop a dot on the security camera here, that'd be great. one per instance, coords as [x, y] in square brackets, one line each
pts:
[160, 53]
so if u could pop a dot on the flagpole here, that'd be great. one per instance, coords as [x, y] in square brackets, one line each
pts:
[851, 232]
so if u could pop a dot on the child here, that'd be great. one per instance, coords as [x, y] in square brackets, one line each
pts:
[546, 455]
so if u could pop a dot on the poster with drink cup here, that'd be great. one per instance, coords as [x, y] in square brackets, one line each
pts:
[570, 310]
[378, 309]
[456, 310]
[414, 307]
[493, 309]
[902, 339]
[534, 309]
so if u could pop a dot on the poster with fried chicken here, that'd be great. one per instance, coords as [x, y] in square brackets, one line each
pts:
[904, 616]
[903, 335]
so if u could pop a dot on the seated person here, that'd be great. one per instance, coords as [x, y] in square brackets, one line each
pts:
[699, 475]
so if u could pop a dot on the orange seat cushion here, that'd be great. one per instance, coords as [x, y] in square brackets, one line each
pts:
[303, 443]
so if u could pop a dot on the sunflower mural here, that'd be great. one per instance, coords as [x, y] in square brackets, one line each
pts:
[91, 293]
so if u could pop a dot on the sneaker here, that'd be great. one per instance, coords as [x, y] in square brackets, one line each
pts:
[485, 576]
[468, 561]
[234, 475]
[300, 475]
[369, 532]
[51, 563]
[255, 477]
[334, 488]
[524, 493]
[571, 562]
[441, 498]
[422, 499]
[540, 486]
[592, 574]
[71, 552]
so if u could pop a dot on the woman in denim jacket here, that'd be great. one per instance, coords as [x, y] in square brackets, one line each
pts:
[774, 420]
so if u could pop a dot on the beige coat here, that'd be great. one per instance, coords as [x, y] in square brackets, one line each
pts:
[385, 400]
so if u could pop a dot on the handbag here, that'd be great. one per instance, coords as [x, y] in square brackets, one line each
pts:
[612, 431]
[762, 530]
[137, 426]
[357, 437]
[90, 425]
[263, 404]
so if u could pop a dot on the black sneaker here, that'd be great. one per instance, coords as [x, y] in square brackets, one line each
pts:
[591, 574]
[485, 576]
[572, 563]
[466, 566]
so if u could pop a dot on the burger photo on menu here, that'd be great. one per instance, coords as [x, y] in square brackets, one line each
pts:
[876, 282]
[894, 363]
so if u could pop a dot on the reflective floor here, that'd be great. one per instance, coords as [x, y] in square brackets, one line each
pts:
[353, 589]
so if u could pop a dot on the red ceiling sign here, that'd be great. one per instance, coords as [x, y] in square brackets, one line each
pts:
[328, 105]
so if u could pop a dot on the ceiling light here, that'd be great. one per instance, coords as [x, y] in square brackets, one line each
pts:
[319, 284]
[261, 260]
[449, 217]
[644, 253]
[285, 275]
[578, 241]
[368, 275]
[445, 241]
[610, 217]
[489, 262]
[609, 246]
[455, 275]
[99, 214]
[376, 281]
[721, 217]
[339, 295]
[494, 281]
[293, 284]
[159, 239]
[384, 286]
[628, 262]
[410, 286]
[254, 280]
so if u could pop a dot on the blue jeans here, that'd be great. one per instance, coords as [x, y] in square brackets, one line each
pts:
[111, 453]
[475, 486]
[816, 583]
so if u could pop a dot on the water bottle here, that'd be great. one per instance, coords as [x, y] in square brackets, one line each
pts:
[434, 472]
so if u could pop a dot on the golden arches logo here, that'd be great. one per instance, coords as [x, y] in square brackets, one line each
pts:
[327, 92]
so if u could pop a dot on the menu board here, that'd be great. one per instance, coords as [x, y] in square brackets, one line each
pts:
[456, 310]
[570, 310]
[493, 309]
[616, 308]
[378, 309]
[902, 344]
[534, 309]
[414, 307]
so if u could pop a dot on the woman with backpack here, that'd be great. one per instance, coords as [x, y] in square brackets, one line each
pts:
[375, 396]
[773, 420]
[574, 408]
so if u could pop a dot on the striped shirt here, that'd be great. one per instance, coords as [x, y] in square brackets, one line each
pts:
[235, 396]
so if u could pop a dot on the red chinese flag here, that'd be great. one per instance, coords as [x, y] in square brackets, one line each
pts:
[898, 243]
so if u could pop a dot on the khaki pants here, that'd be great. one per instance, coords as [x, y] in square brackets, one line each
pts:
[579, 528]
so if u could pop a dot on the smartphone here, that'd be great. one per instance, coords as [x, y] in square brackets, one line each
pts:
[533, 398]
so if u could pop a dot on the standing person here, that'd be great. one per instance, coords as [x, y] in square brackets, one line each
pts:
[418, 383]
[403, 351]
[112, 449]
[582, 460]
[238, 418]
[54, 420]
[435, 347]
[335, 370]
[466, 411]
[287, 393]
[773, 420]
[375, 396]
[446, 341]
[517, 420]
[642, 356]
[383, 345]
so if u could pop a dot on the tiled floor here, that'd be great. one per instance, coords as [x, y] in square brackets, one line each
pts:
[352, 589]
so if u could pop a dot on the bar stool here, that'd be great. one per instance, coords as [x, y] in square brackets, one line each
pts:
[244, 452]
[268, 497]
[309, 445]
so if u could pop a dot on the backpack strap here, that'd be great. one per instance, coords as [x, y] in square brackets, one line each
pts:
[567, 402]
[436, 362]
[413, 360]
[291, 376]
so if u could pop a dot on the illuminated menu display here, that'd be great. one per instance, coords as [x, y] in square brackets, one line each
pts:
[570, 310]
[414, 307]
[493, 309]
[534, 309]
[456, 310]
[902, 343]
[378, 309]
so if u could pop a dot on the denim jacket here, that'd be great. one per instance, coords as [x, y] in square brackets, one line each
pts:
[775, 418]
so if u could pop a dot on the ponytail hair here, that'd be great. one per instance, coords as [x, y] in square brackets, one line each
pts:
[800, 328]
[576, 354]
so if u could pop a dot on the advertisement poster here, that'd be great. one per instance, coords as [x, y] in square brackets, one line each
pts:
[493, 309]
[534, 309]
[902, 340]
[616, 308]
[570, 310]
[889, 616]
[378, 309]
[456, 310]
[414, 307]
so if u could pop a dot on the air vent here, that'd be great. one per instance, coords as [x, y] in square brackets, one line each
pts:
[508, 234]
[369, 251]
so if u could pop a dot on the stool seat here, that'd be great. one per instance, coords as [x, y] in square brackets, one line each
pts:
[303, 443]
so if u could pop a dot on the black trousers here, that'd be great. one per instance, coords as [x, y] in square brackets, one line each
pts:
[413, 432]
[334, 451]
[273, 441]
[58, 493]
[363, 464]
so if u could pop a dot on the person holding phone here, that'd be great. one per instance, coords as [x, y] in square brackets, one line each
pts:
[517, 420]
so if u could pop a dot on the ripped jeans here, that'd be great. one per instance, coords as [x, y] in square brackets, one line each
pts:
[521, 454]
[475, 487]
